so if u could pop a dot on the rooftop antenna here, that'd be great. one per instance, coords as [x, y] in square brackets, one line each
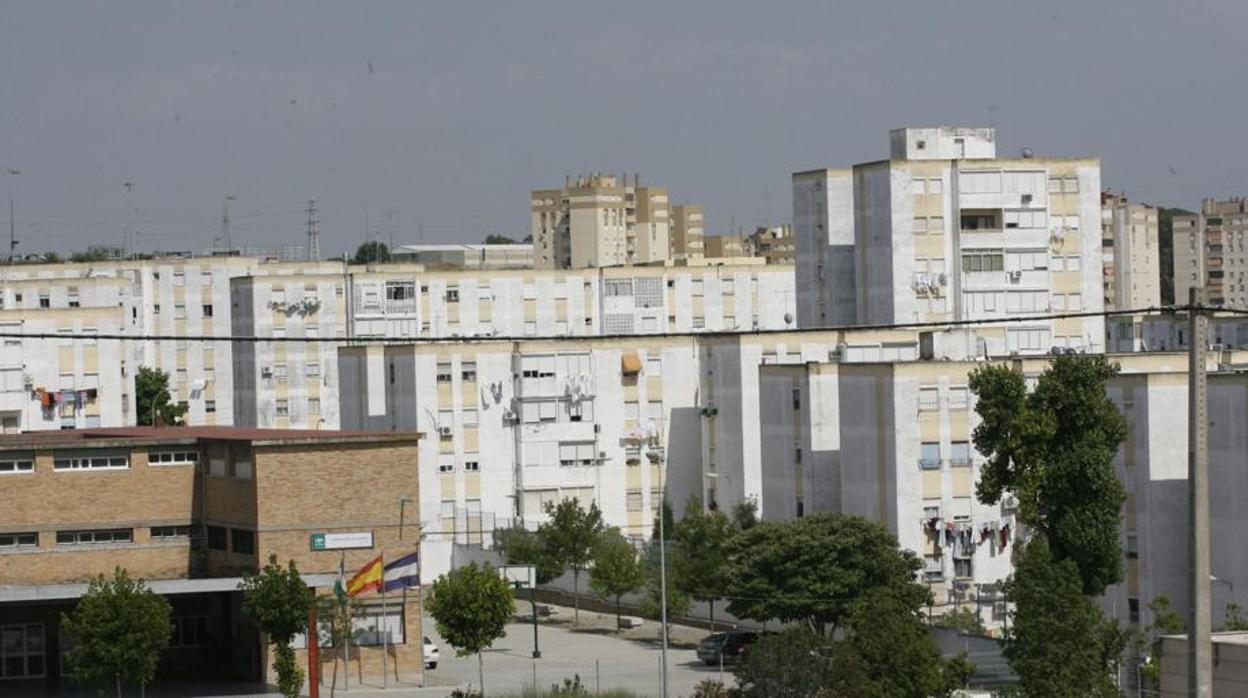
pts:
[225, 226]
[314, 232]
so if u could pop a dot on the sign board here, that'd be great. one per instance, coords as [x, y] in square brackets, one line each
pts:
[342, 541]
[523, 576]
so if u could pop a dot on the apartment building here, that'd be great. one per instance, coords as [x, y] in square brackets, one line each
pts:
[190, 510]
[727, 245]
[774, 243]
[599, 220]
[946, 230]
[688, 231]
[280, 384]
[892, 441]
[1209, 251]
[1131, 259]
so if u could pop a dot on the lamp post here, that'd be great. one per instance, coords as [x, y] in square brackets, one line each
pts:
[663, 594]
[12, 172]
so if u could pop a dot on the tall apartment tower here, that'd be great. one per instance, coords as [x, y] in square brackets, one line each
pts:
[1209, 249]
[600, 221]
[1131, 258]
[688, 232]
[944, 230]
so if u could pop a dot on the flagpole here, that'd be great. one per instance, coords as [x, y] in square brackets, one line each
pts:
[385, 630]
[346, 644]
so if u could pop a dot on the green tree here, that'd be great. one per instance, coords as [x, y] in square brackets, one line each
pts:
[279, 602]
[568, 539]
[745, 514]
[795, 663]
[963, 620]
[371, 252]
[702, 541]
[153, 400]
[471, 607]
[119, 628]
[523, 547]
[1062, 645]
[336, 619]
[813, 569]
[617, 569]
[1234, 620]
[1165, 621]
[498, 240]
[1054, 449]
[892, 651]
[678, 602]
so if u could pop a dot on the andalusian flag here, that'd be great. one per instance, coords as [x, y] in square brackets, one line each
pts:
[369, 577]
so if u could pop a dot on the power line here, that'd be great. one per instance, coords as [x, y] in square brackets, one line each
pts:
[401, 340]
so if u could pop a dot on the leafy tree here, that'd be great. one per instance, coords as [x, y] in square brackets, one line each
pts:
[702, 540]
[678, 602]
[963, 620]
[1234, 619]
[523, 547]
[471, 607]
[1054, 449]
[892, 651]
[1062, 645]
[568, 539]
[279, 601]
[745, 514]
[796, 663]
[371, 252]
[153, 399]
[498, 240]
[118, 628]
[337, 615]
[617, 569]
[813, 569]
[1165, 621]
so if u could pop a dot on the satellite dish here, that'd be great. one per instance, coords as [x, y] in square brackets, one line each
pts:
[788, 318]
[1027, 153]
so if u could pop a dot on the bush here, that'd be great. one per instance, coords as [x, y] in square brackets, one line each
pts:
[710, 688]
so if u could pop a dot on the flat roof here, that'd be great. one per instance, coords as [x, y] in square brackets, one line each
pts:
[156, 435]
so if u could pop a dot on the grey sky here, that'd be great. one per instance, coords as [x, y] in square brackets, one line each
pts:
[470, 105]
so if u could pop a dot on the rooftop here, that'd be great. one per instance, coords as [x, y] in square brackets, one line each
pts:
[143, 435]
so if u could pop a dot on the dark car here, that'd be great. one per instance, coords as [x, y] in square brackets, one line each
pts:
[730, 645]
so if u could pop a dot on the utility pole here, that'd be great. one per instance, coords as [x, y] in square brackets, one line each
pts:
[12, 172]
[1199, 641]
[314, 233]
[663, 595]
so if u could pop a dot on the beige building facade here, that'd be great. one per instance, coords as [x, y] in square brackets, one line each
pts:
[1211, 249]
[1131, 256]
[688, 232]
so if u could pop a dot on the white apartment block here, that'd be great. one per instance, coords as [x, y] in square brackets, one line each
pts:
[891, 441]
[946, 230]
[1131, 256]
[512, 304]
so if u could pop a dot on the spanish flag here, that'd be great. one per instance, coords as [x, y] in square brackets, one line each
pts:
[369, 577]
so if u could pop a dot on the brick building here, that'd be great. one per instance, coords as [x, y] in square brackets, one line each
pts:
[190, 510]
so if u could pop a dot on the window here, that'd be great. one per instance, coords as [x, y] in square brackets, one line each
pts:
[447, 509]
[959, 397]
[960, 454]
[444, 373]
[312, 369]
[22, 651]
[46, 302]
[206, 310]
[468, 371]
[281, 407]
[279, 372]
[1073, 263]
[243, 541]
[576, 453]
[165, 532]
[452, 294]
[179, 312]
[180, 457]
[654, 366]
[446, 467]
[1070, 185]
[929, 457]
[155, 307]
[933, 567]
[963, 568]
[210, 406]
[19, 462]
[929, 398]
[216, 538]
[472, 466]
[189, 631]
[95, 537]
[633, 500]
[314, 405]
[470, 417]
[114, 460]
[19, 540]
[983, 261]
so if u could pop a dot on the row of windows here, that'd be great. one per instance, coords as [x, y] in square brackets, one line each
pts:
[468, 372]
[25, 462]
[241, 541]
[929, 398]
[281, 406]
[929, 454]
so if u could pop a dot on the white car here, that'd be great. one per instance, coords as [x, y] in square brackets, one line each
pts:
[431, 654]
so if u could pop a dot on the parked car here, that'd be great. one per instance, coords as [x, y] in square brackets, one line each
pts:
[431, 654]
[731, 646]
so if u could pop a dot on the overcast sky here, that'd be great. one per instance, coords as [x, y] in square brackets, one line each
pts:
[442, 116]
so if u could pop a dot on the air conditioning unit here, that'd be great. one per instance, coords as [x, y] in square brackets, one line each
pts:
[444, 431]
[1015, 275]
[1009, 501]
